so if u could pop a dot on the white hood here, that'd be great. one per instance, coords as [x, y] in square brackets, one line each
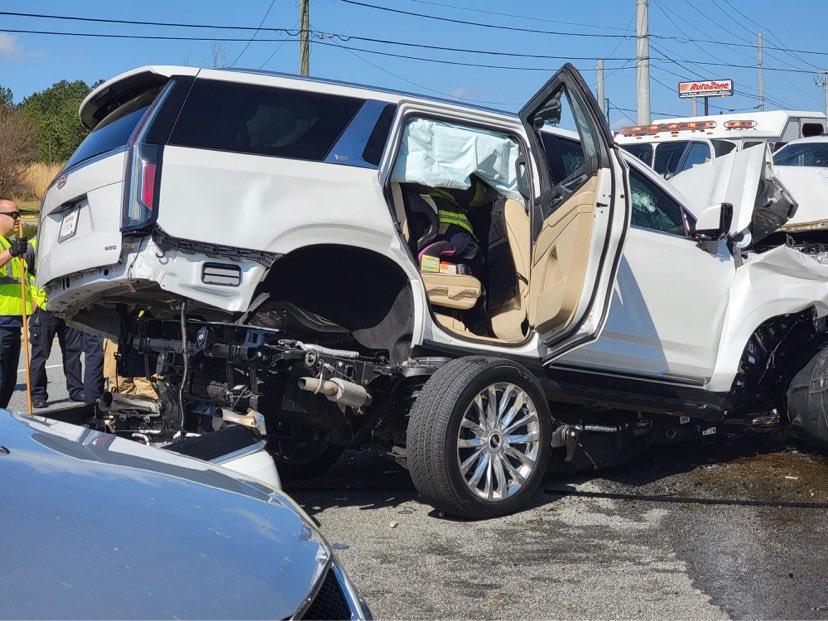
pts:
[746, 180]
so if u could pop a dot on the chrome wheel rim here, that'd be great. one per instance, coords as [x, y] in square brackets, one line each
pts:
[498, 442]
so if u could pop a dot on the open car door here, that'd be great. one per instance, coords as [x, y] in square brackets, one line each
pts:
[580, 217]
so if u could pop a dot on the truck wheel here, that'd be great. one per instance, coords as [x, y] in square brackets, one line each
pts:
[305, 460]
[478, 437]
[808, 402]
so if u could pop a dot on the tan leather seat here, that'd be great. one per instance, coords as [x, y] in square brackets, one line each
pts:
[507, 323]
[458, 291]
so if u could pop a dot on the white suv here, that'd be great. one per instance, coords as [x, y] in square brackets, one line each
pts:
[267, 249]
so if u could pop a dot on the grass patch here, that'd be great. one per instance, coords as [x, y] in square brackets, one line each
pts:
[29, 205]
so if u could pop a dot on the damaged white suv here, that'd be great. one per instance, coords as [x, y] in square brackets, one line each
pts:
[268, 250]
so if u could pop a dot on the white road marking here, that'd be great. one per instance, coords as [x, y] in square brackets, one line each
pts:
[51, 366]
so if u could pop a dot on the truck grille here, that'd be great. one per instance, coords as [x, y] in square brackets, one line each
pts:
[330, 602]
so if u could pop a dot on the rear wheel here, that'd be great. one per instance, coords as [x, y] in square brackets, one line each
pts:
[808, 402]
[478, 438]
[298, 458]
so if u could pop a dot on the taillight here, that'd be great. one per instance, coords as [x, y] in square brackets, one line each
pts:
[143, 172]
[148, 184]
[143, 185]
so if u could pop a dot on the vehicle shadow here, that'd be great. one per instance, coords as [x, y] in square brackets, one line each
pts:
[755, 469]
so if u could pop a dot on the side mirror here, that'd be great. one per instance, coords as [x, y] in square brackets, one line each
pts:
[713, 224]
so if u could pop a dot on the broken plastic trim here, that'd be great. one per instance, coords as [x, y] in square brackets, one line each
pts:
[167, 242]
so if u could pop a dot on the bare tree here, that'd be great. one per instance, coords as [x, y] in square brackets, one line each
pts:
[17, 150]
[218, 54]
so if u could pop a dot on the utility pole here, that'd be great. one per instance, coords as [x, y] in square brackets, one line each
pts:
[761, 77]
[601, 103]
[695, 108]
[642, 53]
[822, 80]
[824, 84]
[304, 37]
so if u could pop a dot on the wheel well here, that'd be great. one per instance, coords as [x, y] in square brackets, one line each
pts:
[358, 289]
[776, 351]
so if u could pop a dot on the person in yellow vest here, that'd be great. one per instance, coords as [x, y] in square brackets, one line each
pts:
[453, 209]
[16, 262]
[44, 326]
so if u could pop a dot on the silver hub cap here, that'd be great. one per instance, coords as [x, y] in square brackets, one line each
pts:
[498, 442]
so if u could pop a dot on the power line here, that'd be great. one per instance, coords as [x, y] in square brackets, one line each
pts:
[260, 40]
[272, 2]
[752, 33]
[664, 10]
[555, 32]
[770, 32]
[422, 15]
[483, 24]
[419, 85]
[745, 93]
[651, 112]
[534, 18]
[322, 35]
[278, 47]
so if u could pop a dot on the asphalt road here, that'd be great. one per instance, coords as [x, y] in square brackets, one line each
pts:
[705, 531]
[58, 395]
[708, 530]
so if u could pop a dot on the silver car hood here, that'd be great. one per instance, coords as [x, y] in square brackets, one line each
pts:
[94, 526]
[746, 180]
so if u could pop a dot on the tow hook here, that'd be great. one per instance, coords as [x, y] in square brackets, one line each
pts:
[566, 436]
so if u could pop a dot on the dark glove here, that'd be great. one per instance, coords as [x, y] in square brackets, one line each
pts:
[18, 247]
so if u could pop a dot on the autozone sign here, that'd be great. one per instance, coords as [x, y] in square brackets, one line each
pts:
[706, 88]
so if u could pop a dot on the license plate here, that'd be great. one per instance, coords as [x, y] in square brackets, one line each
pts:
[69, 225]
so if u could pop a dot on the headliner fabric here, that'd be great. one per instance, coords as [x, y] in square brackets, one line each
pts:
[444, 155]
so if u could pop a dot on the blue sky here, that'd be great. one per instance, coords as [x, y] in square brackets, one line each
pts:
[32, 62]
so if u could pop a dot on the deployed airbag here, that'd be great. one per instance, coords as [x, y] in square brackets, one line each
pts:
[445, 155]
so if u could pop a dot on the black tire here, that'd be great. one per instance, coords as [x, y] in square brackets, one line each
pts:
[808, 402]
[307, 461]
[433, 431]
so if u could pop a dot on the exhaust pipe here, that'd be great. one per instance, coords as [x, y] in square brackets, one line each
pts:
[113, 402]
[337, 390]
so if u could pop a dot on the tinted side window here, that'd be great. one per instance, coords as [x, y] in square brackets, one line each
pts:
[572, 155]
[261, 120]
[563, 155]
[752, 143]
[723, 147]
[379, 135]
[644, 152]
[807, 154]
[699, 153]
[114, 130]
[668, 157]
[652, 208]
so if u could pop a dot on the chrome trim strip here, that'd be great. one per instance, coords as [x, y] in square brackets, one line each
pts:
[663, 378]
[242, 452]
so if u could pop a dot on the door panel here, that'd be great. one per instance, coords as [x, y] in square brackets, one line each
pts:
[667, 311]
[558, 268]
[578, 221]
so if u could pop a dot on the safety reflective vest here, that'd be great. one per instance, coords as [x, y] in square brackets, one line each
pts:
[38, 295]
[10, 274]
[451, 212]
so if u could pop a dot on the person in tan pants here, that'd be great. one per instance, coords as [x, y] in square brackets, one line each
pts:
[134, 386]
